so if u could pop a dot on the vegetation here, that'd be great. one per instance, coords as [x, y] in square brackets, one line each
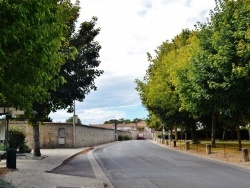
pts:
[122, 120]
[201, 77]
[17, 140]
[31, 38]
[45, 64]
[70, 120]
[123, 137]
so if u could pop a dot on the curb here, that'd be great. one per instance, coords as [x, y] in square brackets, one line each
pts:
[69, 158]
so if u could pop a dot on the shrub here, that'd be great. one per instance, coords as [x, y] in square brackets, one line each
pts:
[16, 138]
[24, 149]
[125, 137]
[2, 147]
[120, 138]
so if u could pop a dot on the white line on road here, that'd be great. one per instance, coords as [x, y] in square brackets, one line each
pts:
[98, 171]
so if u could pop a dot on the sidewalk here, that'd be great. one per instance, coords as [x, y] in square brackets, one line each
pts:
[32, 171]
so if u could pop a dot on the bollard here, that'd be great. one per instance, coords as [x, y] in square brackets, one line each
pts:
[187, 146]
[245, 154]
[208, 149]
[11, 158]
[174, 142]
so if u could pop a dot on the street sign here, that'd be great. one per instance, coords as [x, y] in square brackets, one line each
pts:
[152, 130]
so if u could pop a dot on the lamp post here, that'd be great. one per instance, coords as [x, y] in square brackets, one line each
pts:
[11, 152]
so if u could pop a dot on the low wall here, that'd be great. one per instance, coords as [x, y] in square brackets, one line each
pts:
[60, 135]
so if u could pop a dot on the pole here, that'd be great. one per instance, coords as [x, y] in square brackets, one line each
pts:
[74, 126]
[116, 137]
[7, 131]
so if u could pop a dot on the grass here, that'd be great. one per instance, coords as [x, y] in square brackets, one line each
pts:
[224, 149]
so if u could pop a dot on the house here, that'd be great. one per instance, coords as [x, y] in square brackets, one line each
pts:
[133, 128]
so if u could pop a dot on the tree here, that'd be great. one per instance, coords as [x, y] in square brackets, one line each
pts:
[31, 36]
[217, 79]
[79, 75]
[70, 120]
[158, 89]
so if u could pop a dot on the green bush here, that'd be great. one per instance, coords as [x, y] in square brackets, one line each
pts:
[2, 147]
[120, 138]
[24, 149]
[16, 138]
[125, 137]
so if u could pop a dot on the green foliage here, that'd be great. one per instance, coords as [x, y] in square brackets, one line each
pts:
[31, 38]
[16, 138]
[158, 89]
[24, 148]
[122, 120]
[202, 73]
[123, 137]
[79, 73]
[2, 147]
[120, 138]
[70, 120]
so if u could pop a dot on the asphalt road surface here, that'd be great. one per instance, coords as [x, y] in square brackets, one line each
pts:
[78, 166]
[142, 164]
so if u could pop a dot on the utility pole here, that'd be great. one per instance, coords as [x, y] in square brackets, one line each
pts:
[74, 125]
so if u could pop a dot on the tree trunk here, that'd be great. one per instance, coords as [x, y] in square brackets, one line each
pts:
[239, 138]
[36, 140]
[249, 131]
[175, 132]
[193, 132]
[213, 129]
[223, 135]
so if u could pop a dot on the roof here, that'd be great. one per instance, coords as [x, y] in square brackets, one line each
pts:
[140, 124]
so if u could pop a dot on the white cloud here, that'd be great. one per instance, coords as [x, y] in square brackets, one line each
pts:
[97, 116]
[130, 29]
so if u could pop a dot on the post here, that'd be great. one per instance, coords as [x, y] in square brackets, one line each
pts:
[74, 126]
[174, 142]
[115, 123]
[208, 149]
[7, 131]
[245, 154]
[187, 146]
[163, 135]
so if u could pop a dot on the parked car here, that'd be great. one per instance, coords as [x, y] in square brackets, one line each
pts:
[141, 136]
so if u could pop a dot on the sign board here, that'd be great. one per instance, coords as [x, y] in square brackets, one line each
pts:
[152, 130]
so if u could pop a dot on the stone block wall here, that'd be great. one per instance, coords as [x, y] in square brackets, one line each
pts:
[60, 135]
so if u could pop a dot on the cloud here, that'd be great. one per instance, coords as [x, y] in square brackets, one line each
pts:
[130, 29]
[97, 116]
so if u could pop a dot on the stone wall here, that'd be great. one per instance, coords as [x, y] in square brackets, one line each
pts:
[60, 135]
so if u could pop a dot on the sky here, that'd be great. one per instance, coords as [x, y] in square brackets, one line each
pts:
[129, 29]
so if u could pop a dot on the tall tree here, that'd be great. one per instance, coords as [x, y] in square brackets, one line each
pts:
[217, 79]
[79, 75]
[158, 90]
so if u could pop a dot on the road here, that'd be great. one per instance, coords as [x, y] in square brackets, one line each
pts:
[142, 164]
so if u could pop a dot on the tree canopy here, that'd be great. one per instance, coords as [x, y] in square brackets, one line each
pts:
[32, 35]
[203, 72]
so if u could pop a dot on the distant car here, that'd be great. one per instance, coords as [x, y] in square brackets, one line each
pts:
[140, 136]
